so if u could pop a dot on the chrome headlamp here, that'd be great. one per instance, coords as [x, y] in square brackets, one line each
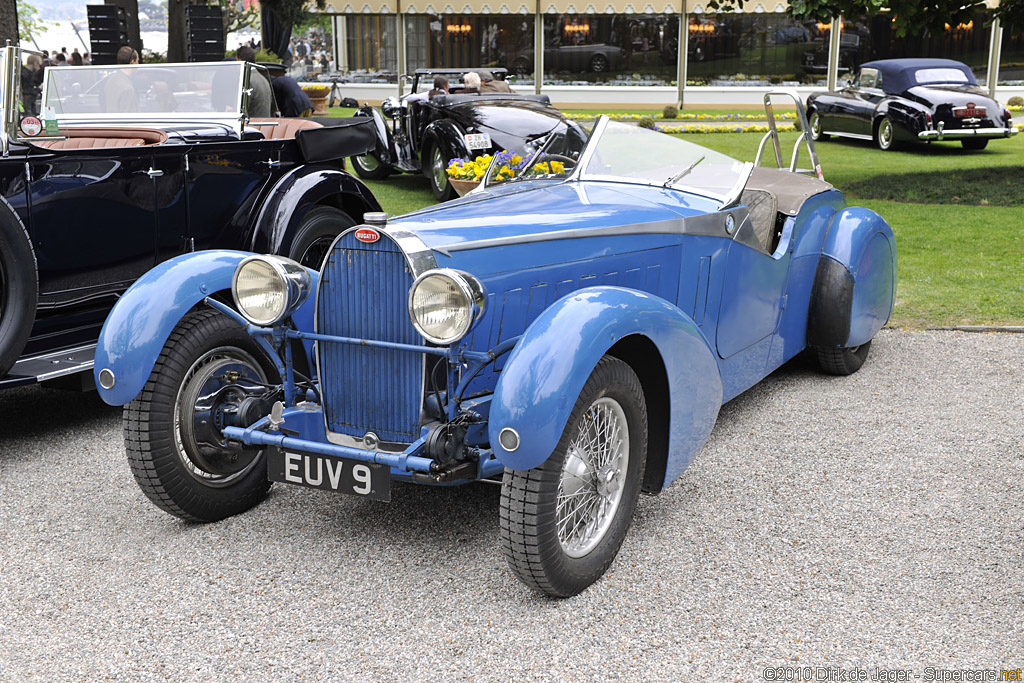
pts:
[267, 289]
[444, 304]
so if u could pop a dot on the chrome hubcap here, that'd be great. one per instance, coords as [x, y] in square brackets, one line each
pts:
[593, 474]
[440, 170]
[368, 162]
[885, 133]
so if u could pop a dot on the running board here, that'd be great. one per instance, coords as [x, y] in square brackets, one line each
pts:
[49, 366]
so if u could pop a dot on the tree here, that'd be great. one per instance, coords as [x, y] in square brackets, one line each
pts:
[239, 14]
[291, 12]
[8, 21]
[909, 16]
[28, 22]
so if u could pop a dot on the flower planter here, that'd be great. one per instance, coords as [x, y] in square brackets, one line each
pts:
[319, 105]
[463, 186]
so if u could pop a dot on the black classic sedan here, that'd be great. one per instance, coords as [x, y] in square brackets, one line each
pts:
[420, 134]
[128, 166]
[891, 101]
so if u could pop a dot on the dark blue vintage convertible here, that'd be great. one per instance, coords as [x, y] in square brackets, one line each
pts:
[142, 163]
[573, 332]
[893, 101]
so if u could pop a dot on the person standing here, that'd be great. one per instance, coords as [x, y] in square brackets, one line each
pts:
[29, 87]
[118, 90]
[261, 98]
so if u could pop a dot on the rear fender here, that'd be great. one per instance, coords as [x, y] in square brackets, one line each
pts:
[546, 371]
[855, 283]
[144, 317]
[299, 191]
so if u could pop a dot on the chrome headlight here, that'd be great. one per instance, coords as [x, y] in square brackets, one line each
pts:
[444, 304]
[268, 289]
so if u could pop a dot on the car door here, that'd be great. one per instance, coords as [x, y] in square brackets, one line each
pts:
[225, 182]
[862, 106]
[850, 102]
[94, 214]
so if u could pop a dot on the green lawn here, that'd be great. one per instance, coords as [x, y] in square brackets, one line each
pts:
[958, 218]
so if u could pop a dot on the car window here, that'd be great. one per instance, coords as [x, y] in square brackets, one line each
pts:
[868, 78]
[941, 75]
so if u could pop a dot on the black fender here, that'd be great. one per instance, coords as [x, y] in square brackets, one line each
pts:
[385, 146]
[296, 194]
[446, 134]
[908, 118]
[19, 286]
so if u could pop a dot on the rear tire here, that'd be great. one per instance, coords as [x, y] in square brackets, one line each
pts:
[599, 64]
[885, 135]
[314, 238]
[842, 361]
[172, 452]
[975, 144]
[563, 522]
[19, 287]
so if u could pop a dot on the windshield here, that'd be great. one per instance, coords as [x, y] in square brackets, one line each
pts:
[165, 92]
[621, 151]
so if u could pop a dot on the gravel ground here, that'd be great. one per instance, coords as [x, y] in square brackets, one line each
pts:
[873, 520]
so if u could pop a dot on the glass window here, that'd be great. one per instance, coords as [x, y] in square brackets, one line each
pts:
[1011, 60]
[617, 49]
[754, 49]
[967, 43]
[372, 48]
[456, 41]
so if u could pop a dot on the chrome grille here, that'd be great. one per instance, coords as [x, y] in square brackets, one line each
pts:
[362, 293]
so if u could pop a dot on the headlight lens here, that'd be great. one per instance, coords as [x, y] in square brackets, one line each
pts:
[444, 304]
[268, 289]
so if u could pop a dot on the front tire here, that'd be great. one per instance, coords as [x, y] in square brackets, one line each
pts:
[563, 522]
[369, 166]
[885, 135]
[833, 361]
[815, 126]
[317, 233]
[174, 449]
[437, 172]
[599, 64]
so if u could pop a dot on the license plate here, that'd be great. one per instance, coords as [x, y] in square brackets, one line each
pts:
[964, 112]
[478, 141]
[330, 473]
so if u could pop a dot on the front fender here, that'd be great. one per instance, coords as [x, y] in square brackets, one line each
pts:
[855, 284]
[448, 136]
[144, 317]
[299, 191]
[384, 146]
[546, 371]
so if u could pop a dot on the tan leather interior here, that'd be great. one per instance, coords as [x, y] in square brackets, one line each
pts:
[93, 138]
[285, 128]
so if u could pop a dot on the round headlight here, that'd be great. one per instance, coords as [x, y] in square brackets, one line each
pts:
[444, 304]
[268, 289]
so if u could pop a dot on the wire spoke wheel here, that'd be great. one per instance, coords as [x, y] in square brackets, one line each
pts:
[563, 522]
[590, 487]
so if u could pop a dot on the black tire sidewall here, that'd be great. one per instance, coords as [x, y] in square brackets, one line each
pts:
[447, 192]
[19, 288]
[566, 575]
[320, 222]
[892, 138]
[179, 492]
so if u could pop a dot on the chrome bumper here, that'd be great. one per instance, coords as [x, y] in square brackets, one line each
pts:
[960, 133]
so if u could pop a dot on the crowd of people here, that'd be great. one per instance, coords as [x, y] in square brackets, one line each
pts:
[33, 68]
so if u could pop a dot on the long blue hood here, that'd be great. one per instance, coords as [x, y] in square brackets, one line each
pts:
[546, 207]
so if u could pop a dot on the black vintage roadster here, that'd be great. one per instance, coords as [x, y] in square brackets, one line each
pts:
[129, 166]
[417, 134]
[891, 101]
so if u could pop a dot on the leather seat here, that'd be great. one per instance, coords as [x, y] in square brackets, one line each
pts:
[285, 128]
[92, 143]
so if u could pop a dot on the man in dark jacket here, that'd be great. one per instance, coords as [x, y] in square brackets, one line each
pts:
[29, 88]
[291, 98]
